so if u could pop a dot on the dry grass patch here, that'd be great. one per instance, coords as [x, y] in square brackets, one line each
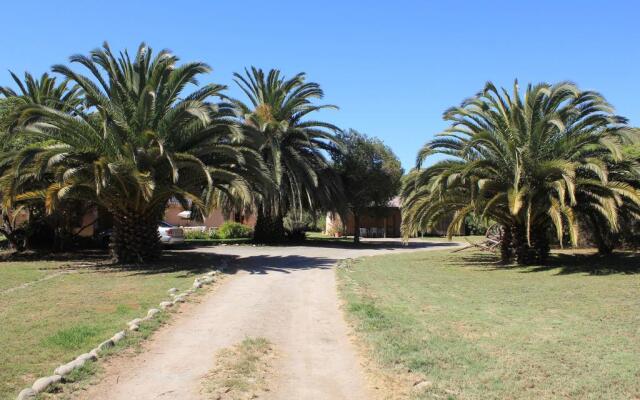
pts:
[47, 322]
[242, 372]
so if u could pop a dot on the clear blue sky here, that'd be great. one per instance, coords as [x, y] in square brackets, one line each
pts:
[393, 67]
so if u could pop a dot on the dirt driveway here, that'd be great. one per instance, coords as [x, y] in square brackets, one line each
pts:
[285, 294]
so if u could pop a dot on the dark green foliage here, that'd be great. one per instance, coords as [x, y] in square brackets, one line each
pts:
[370, 171]
[233, 230]
[297, 223]
[473, 225]
[8, 108]
[191, 234]
[296, 235]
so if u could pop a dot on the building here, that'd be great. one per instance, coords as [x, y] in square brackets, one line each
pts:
[92, 223]
[178, 216]
[374, 222]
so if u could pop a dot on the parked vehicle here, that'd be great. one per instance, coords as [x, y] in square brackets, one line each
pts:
[169, 234]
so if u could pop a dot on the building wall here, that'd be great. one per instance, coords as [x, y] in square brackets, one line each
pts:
[214, 220]
[389, 221]
[21, 218]
[87, 219]
[90, 216]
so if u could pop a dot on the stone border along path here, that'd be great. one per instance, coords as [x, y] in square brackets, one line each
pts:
[44, 383]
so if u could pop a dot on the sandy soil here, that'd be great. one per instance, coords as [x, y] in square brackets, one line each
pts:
[285, 294]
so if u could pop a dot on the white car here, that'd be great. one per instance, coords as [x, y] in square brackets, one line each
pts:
[170, 234]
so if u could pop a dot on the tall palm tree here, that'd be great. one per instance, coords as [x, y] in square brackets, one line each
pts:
[45, 91]
[527, 163]
[625, 172]
[138, 142]
[292, 146]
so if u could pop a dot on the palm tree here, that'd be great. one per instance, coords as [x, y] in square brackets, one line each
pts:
[292, 146]
[527, 163]
[625, 172]
[138, 142]
[45, 91]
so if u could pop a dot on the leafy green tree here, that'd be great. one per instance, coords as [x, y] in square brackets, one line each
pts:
[7, 107]
[370, 171]
[632, 151]
[137, 141]
[292, 146]
[530, 163]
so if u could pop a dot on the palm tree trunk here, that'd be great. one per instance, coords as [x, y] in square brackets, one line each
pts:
[540, 243]
[135, 236]
[520, 245]
[269, 227]
[506, 252]
[605, 241]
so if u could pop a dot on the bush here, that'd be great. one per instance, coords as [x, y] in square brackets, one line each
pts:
[296, 235]
[191, 234]
[296, 225]
[306, 220]
[233, 230]
[474, 225]
[320, 223]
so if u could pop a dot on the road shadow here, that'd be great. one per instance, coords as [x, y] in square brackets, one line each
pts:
[616, 263]
[627, 263]
[264, 264]
[193, 259]
[285, 263]
[174, 260]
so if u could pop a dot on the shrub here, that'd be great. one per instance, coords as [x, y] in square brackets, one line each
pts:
[296, 235]
[305, 220]
[191, 234]
[233, 230]
[474, 225]
[320, 223]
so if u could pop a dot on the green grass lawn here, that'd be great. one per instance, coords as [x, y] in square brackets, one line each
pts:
[321, 237]
[51, 321]
[472, 329]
